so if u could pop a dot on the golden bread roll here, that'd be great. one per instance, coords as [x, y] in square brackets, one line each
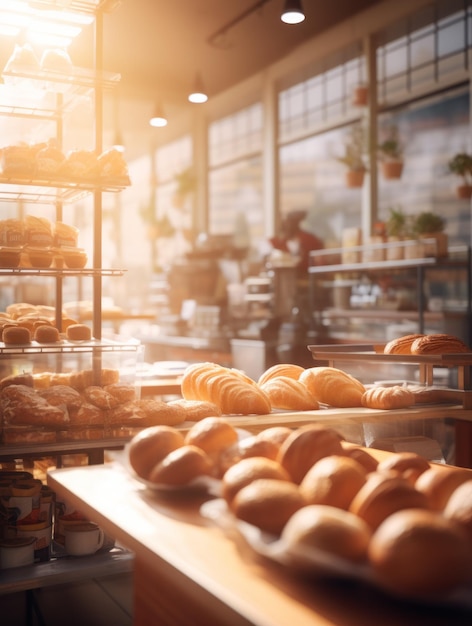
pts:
[212, 434]
[99, 397]
[46, 334]
[21, 405]
[328, 529]
[246, 471]
[408, 464]
[267, 503]
[16, 335]
[150, 446]
[156, 412]
[62, 395]
[396, 397]
[334, 481]
[274, 434]
[306, 445]
[196, 410]
[438, 483]
[420, 553]
[459, 507]
[121, 391]
[181, 466]
[17, 379]
[289, 370]
[383, 495]
[368, 462]
[254, 446]
[288, 393]
[402, 345]
[78, 332]
[332, 386]
[439, 343]
[87, 415]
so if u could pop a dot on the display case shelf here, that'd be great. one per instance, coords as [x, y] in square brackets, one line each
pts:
[59, 273]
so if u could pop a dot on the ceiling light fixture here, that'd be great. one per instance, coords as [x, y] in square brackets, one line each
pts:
[158, 119]
[292, 12]
[198, 95]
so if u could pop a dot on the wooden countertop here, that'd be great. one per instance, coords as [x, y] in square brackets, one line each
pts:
[202, 576]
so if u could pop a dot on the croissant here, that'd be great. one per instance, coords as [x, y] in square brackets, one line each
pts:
[332, 386]
[396, 397]
[287, 393]
[231, 390]
[281, 369]
[439, 343]
[401, 345]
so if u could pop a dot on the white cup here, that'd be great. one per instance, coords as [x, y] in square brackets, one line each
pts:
[83, 538]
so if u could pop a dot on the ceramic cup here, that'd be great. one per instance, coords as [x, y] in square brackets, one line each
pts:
[16, 552]
[83, 538]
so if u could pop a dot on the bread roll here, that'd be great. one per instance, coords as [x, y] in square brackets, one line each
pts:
[267, 503]
[150, 446]
[181, 466]
[274, 434]
[157, 412]
[368, 462]
[306, 445]
[62, 395]
[382, 496]
[402, 345]
[281, 369]
[16, 336]
[247, 470]
[78, 332]
[334, 481]
[17, 379]
[438, 484]
[408, 464]
[328, 529]
[439, 343]
[46, 334]
[121, 391]
[212, 434]
[396, 397]
[420, 553]
[459, 507]
[290, 394]
[332, 386]
[196, 410]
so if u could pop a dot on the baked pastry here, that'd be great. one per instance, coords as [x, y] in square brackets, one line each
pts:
[181, 466]
[334, 481]
[111, 164]
[81, 164]
[326, 528]
[57, 60]
[332, 386]
[49, 160]
[100, 397]
[306, 445]
[22, 57]
[62, 395]
[21, 405]
[46, 334]
[420, 553]
[87, 415]
[288, 393]
[64, 234]
[402, 345]
[150, 446]
[17, 160]
[459, 507]
[12, 232]
[438, 483]
[439, 343]
[396, 397]
[159, 412]
[38, 231]
[121, 391]
[410, 465]
[275, 434]
[16, 336]
[281, 369]
[360, 455]
[196, 410]
[245, 471]
[212, 434]
[267, 503]
[78, 332]
[17, 379]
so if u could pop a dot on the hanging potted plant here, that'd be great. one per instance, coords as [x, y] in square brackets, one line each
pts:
[461, 165]
[429, 225]
[397, 230]
[354, 158]
[390, 153]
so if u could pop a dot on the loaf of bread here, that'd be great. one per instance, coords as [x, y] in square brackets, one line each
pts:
[21, 405]
[332, 386]
[401, 345]
[439, 343]
[196, 410]
[396, 397]
[232, 391]
[288, 393]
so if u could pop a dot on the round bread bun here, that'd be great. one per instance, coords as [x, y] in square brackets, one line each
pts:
[387, 398]
[281, 369]
[438, 483]
[275, 434]
[181, 466]
[246, 471]
[420, 553]
[196, 410]
[306, 445]
[78, 332]
[46, 334]
[150, 446]
[253, 446]
[360, 455]
[328, 529]
[439, 343]
[334, 481]
[16, 335]
[383, 495]
[401, 345]
[212, 434]
[459, 507]
[408, 464]
[267, 503]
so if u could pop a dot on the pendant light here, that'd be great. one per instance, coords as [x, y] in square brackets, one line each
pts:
[198, 94]
[158, 119]
[292, 12]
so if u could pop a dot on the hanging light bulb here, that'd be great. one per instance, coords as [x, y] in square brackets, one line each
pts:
[292, 12]
[158, 119]
[198, 95]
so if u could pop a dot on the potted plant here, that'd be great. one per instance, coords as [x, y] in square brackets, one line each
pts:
[397, 230]
[390, 153]
[461, 165]
[429, 225]
[354, 158]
